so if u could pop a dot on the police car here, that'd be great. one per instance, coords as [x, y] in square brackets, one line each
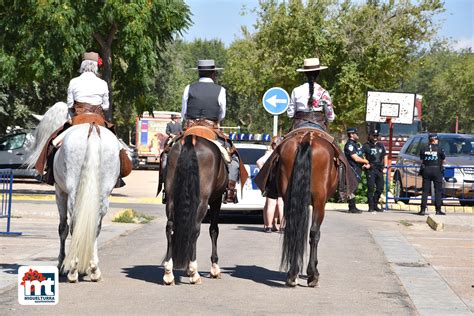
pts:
[251, 148]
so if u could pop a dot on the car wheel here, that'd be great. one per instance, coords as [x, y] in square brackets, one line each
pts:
[398, 193]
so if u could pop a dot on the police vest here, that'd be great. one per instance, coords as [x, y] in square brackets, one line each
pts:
[203, 101]
[374, 153]
[431, 155]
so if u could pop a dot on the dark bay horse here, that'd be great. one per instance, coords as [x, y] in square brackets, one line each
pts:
[196, 177]
[309, 177]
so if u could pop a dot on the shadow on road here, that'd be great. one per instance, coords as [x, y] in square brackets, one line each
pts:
[10, 268]
[257, 274]
[148, 273]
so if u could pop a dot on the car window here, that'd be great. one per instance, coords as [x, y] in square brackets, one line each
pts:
[12, 142]
[251, 155]
[414, 148]
[457, 146]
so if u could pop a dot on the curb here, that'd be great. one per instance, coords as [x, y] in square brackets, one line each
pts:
[434, 222]
[416, 208]
[112, 199]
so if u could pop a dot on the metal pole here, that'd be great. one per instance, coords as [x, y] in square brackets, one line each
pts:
[386, 189]
[275, 125]
[390, 143]
[10, 191]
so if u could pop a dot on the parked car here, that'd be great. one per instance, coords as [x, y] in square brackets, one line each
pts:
[250, 198]
[457, 183]
[14, 151]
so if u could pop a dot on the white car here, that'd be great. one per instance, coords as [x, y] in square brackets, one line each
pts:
[250, 198]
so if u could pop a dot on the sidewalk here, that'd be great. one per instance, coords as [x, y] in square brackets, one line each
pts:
[39, 243]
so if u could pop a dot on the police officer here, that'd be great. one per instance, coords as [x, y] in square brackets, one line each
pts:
[432, 156]
[353, 152]
[375, 153]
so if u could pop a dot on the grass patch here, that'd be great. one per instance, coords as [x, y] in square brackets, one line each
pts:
[129, 215]
[406, 223]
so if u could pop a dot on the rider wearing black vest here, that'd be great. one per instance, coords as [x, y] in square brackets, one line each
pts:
[375, 153]
[203, 101]
[432, 157]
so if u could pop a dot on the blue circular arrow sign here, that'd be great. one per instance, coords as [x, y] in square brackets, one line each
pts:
[276, 100]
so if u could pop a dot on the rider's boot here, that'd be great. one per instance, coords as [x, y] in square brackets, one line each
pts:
[231, 196]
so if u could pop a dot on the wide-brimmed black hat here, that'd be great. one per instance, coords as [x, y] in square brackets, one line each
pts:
[207, 64]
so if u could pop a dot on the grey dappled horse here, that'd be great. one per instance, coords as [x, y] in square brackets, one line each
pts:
[86, 169]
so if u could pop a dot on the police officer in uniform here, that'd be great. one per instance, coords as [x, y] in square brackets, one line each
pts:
[353, 152]
[375, 153]
[432, 156]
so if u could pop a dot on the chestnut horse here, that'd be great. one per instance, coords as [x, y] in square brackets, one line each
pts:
[309, 177]
[196, 177]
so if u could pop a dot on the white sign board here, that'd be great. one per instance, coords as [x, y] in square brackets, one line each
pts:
[400, 107]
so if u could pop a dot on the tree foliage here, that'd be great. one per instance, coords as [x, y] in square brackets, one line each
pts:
[445, 78]
[366, 46]
[43, 41]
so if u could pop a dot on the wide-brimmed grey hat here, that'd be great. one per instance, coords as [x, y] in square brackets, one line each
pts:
[206, 64]
[311, 64]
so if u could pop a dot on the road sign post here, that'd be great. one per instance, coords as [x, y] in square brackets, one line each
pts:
[275, 101]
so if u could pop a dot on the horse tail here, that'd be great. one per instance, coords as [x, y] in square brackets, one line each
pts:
[85, 218]
[53, 119]
[186, 201]
[296, 212]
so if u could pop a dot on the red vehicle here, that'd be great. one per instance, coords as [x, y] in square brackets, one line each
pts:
[401, 132]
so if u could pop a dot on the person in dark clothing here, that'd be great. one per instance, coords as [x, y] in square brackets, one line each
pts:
[174, 127]
[432, 156]
[376, 154]
[354, 155]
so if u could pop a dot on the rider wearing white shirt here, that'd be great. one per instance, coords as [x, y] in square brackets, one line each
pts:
[88, 88]
[310, 104]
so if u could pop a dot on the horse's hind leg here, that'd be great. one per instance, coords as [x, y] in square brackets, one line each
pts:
[168, 277]
[192, 271]
[96, 274]
[214, 233]
[63, 229]
[73, 274]
[314, 235]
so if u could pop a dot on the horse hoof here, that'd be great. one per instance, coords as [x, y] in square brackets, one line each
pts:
[314, 283]
[72, 279]
[291, 283]
[96, 278]
[197, 282]
[216, 276]
[168, 279]
[168, 283]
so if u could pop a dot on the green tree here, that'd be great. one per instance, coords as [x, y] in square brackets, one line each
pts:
[43, 41]
[445, 78]
[366, 46]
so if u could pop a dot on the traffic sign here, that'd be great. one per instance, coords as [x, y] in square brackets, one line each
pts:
[276, 100]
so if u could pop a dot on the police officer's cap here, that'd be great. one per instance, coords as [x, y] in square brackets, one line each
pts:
[352, 130]
[433, 136]
[374, 132]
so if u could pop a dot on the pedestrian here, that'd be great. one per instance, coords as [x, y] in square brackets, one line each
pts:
[354, 155]
[375, 153]
[432, 156]
[174, 128]
[273, 210]
[310, 104]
